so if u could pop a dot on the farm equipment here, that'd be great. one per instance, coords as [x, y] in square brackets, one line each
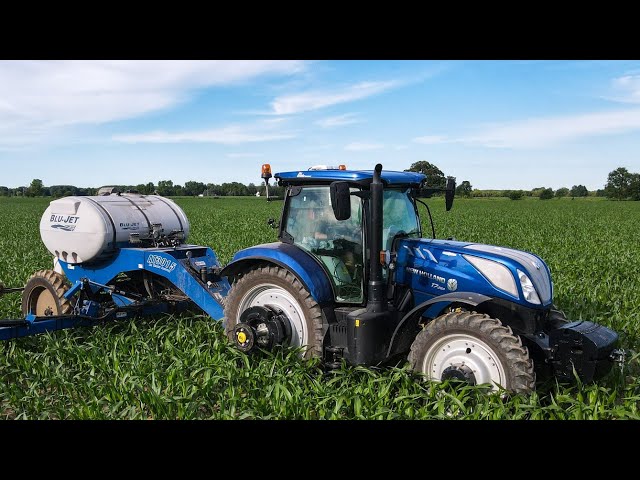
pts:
[350, 279]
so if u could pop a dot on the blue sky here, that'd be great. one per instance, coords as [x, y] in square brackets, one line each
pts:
[498, 124]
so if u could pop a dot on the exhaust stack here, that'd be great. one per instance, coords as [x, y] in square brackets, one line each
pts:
[376, 291]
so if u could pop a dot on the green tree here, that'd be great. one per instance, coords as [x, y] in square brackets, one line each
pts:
[464, 189]
[579, 191]
[515, 194]
[435, 177]
[546, 194]
[618, 183]
[4, 192]
[252, 189]
[194, 189]
[537, 191]
[35, 189]
[166, 188]
[634, 186]
[562, 192]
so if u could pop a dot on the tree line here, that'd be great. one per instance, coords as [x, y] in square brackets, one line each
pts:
[621, 185]
[166, 188]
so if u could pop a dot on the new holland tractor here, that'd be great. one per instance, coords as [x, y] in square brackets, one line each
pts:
[351, 279]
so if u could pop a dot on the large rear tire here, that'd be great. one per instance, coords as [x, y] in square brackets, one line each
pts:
[43, 295]
[277, 288]
[473, 347]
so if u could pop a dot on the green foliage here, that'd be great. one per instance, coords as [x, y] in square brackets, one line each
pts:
[435, 177]
[182, 367]
[515, 194]
[464, 189]
[36, 188]
[623, 185]
[546, 194]
[579, 191]
[562, 192]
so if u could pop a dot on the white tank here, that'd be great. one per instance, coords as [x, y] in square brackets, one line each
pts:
[88, 229]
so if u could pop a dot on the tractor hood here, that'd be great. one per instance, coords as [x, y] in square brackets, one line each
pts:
[435, 267]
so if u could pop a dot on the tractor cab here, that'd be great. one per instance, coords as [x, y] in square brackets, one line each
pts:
[342, 246]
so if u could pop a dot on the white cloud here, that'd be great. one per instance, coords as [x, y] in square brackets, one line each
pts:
[628, 87]
[339, 120]
[314, 100]
[361, 146]
[545, 131]
[431, 139]
[37, 97]
[229, 135]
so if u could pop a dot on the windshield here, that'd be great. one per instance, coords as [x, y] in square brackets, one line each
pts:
[337, 244]
[399, 215]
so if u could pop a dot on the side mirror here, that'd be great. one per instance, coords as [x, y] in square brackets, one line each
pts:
[340, 200]
[450, 193]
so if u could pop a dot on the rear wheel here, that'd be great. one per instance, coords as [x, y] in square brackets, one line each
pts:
[278, 289]
[474, 348]
[44, 295]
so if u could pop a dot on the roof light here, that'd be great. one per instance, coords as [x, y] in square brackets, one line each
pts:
[266, 171]
[327, 167]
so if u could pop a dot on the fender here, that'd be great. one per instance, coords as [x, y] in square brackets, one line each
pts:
[406, 330]
[300, 263]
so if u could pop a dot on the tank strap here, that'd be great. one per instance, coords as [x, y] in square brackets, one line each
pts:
[141, 211]
[113, 225]
[174, 212]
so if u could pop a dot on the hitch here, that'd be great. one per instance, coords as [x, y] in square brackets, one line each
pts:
[618, 357]
[4, 289]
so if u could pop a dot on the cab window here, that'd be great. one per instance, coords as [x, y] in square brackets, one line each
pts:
[337, 244]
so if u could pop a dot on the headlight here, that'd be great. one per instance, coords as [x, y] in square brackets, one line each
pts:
[497, 274]
[528, 289]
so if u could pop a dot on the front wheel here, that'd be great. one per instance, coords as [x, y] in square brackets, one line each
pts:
[474, 348]
[279, 290]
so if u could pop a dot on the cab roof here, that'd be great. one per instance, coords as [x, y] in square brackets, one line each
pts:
[360, 177]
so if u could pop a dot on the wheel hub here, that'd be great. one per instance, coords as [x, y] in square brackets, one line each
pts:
[45, 303]
[282, 303]
[464, 357]
[459, 372]
[245, 337]
[261, 328]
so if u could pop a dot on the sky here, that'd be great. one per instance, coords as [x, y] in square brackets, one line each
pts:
[498, 124]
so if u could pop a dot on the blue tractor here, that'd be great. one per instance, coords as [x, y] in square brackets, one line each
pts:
[350, 279]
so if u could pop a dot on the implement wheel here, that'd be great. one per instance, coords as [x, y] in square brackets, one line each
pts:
[44, 295]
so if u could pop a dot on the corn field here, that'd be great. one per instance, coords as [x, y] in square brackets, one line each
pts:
[182, 367]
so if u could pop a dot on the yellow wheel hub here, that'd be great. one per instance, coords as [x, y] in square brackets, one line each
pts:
[242, 337]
